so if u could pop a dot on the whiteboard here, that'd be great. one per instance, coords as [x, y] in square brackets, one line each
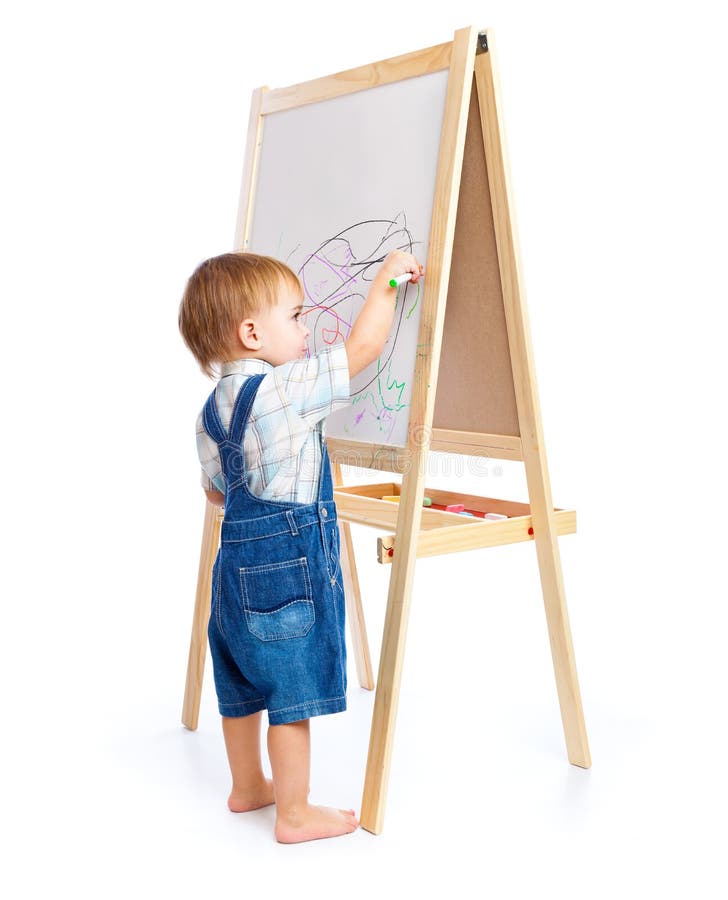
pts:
[340, 184]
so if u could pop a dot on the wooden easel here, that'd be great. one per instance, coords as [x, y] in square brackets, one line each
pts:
[473, 253]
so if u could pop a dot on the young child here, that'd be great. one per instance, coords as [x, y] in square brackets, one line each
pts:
[276, 629]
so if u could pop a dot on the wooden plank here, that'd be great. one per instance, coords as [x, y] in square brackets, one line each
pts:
[362, 78]
[472, 443]
[366, 510]
[387, 458]
[250, 168]
[201, 616]
[529, 415]
[378, 513]
[475, 535]
[369, 456]
[386, 489]
[352, 594]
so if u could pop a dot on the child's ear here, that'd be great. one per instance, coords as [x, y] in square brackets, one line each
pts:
[249, 336]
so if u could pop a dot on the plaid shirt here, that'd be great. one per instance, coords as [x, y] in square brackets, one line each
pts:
[281, 444]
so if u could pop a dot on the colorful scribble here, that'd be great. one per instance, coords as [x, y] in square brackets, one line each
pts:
[336, 277]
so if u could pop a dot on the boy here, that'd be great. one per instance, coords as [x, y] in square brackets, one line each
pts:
[276, 627]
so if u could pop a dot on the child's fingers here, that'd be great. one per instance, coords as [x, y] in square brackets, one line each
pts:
[408, 262]
[416, 269]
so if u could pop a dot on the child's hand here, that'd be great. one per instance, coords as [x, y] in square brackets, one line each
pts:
[370, 330]
[399, 263]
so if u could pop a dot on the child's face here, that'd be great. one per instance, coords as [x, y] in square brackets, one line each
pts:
[281, 333]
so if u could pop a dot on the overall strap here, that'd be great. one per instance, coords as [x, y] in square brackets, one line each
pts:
[212, 423]
[241, 410]
[325, 487]
[230, 443]
[211, 420]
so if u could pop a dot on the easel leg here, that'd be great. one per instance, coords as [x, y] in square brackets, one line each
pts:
[198, 640]
[391, 661]
[354, 608]
[562, 650]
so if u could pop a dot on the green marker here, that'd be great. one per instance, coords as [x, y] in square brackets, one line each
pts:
[400, 279]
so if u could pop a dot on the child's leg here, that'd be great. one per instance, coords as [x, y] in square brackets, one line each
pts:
[289, 748]
[251, 789]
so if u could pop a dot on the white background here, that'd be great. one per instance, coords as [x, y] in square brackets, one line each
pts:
[124, 132]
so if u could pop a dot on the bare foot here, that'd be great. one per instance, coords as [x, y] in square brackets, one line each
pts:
[314, 822]
[251, 798]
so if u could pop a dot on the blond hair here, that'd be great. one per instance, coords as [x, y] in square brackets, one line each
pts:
[220, 294]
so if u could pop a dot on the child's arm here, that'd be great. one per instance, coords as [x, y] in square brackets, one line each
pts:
[215, 497]
[373, 324]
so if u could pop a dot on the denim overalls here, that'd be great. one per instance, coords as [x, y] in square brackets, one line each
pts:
[276, 627]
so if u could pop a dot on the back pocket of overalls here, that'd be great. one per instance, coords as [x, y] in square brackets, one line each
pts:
[277, 599]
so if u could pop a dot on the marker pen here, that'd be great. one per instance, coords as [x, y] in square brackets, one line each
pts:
[400, 279]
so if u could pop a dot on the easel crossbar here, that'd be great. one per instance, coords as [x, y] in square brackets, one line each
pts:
[476, 534]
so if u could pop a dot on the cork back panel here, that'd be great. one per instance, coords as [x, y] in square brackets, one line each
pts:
[475, 382]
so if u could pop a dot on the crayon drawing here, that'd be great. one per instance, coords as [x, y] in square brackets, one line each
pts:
[336, 277]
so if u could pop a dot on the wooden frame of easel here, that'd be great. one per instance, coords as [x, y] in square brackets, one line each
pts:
[472, 109]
